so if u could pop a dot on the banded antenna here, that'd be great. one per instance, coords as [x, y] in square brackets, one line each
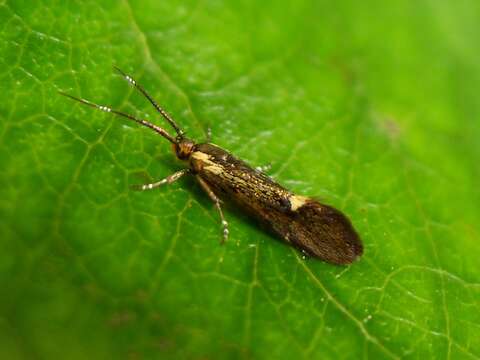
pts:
[107, 109]
[140, 88]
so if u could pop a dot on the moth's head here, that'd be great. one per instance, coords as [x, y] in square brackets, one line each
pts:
[183, 148]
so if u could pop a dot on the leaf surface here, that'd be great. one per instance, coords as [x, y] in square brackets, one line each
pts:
[371, 107]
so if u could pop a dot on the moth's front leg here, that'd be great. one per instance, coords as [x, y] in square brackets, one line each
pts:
[168, 180]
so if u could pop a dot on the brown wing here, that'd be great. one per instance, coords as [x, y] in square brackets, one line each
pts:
[234, 179]
[318, 230]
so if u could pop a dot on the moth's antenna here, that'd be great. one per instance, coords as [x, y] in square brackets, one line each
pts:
[140, 88]
[145, 123]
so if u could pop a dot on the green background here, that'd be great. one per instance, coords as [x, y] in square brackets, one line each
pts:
[372, 106]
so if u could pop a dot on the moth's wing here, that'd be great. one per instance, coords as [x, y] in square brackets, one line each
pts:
[325, 232]
[319, 230]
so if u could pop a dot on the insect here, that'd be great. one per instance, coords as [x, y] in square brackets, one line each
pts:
[316, 229]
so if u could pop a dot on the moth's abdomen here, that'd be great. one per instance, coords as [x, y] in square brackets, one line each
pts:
[324, 232]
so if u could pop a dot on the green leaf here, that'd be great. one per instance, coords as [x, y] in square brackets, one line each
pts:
[371, 106]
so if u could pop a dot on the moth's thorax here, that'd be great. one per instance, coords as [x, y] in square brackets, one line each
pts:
[202, 161]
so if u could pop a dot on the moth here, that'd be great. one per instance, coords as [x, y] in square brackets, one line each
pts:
[318, 230]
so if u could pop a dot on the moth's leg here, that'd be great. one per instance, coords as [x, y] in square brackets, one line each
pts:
[168, 180]
[217, 203]
[264, 168]
[209, 134]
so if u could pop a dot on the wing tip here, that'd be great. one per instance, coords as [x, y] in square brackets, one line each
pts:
[340, 244]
